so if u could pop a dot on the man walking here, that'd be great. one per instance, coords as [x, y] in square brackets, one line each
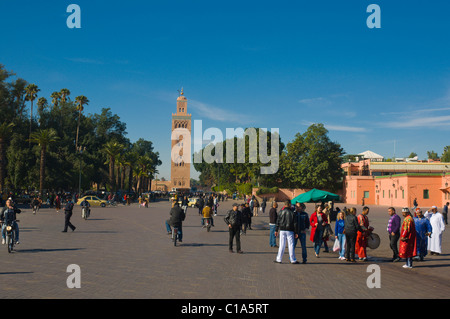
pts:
[302, 225]
[272, 224]
[68, 209]
[234, 221]
[438, 227]
[393, 229]
[407, 238]
[286, 227]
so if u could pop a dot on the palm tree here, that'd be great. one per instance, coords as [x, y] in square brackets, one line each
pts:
[5, 133]
[64, 93]
[56, 97]
[31, 94]
[112, 150]
[42, 104]
[43, 138]
[81, 101]
[18, 94]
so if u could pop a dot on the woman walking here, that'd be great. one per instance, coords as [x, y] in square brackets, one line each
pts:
[339, 234]
[318, 221]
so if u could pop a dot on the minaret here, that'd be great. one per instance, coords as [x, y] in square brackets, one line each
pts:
[180, 168]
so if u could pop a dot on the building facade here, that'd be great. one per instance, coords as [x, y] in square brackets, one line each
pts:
[180, 168]
[396, 184]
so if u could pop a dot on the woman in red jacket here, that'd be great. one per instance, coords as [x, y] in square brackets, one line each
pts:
[318, 221]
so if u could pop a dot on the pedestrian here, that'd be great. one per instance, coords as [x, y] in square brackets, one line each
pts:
[272, 224]
[68, 210]
[200, 204]
[263, 205]
[318, 221]
[286, 226]
[393, 229]
[57, 203]
[327, 212]
[351, 228]
[302, 226]
[438, 227]
[423, 231]
[445, 213]
[415, 203]
[234, 221]
[245, 210]
[363, 234]
[407, 248]
[256, 207]
[339, 234]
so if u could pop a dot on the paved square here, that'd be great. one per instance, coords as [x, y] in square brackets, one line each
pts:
[124, 252]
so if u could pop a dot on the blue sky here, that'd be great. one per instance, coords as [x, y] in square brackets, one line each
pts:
[280, 64]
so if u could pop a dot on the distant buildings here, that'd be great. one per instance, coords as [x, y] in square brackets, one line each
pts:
[369, 180]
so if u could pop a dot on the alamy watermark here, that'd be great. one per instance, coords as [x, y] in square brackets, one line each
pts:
[214, 151]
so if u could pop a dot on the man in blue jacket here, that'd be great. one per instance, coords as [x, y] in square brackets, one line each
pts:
[302, 225]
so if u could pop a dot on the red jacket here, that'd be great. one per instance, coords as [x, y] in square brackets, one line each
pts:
[313, 221]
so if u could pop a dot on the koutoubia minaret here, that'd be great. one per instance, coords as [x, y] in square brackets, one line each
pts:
[180, 168]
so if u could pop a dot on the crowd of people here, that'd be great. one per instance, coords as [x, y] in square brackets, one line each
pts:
[409, 239]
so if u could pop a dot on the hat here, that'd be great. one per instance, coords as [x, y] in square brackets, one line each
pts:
[405, 210]
[434, 207]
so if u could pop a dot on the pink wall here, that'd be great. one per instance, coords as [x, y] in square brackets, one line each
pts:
[396, 190]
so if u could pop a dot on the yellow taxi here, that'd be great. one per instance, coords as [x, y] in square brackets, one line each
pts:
[93, 201]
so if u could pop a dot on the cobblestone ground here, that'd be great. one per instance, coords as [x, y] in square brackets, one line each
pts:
[124, 252]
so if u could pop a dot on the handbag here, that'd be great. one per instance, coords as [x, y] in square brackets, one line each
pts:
[336, 246]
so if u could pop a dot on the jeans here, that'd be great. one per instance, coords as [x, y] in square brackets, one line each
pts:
[302, 239]
[286, 236]
[409, 261]
[341, 238]
[272, 239]
[318, 240]
[16, 230]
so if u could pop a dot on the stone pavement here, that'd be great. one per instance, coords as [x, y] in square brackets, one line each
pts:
[124, 252]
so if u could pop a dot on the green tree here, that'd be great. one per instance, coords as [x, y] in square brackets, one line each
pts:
[31, 94]
[446, 154]
[5, 133]
[432, 155]
[112, 150]
[312, 160]
[43, 138]
[81, 101]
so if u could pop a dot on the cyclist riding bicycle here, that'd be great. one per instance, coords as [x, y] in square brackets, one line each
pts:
[177, 217]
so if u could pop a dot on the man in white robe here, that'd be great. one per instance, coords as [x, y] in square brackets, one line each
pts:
[438, 227]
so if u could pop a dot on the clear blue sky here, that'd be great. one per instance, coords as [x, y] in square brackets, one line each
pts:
[281, 64]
